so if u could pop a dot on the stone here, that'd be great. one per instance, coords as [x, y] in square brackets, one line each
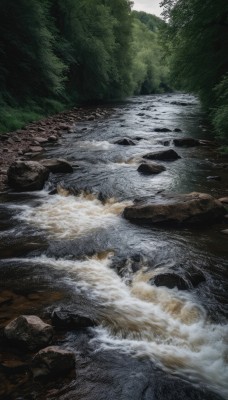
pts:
[52, 361]
[52, 138]
[125, 142]
[64, 127]
[151, 168]
[165, 155]
[27, 175]
[67, 319]
[224, 200]
[177, 130]
[183, 210]
[170, 280]
[56, 165]
[29, 331]
[41, 140]
[186, 142]
[224, 231]
[162, 129]
[35, 149]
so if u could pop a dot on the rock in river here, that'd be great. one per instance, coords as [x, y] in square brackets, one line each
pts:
[125, 142]
[52, 361]
[57, 165]
[170, 280]
[27, 175]
[186, 142]
[67, 319]
[29, 331]
[165, 155]
[151, 168]
[188, 209]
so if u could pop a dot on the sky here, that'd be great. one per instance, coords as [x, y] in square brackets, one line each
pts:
[149, 6]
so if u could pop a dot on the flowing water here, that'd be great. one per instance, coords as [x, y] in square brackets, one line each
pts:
[152, 342]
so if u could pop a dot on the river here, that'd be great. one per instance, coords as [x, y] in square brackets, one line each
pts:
[74, 249]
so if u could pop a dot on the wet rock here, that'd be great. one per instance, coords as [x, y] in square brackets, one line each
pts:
[177, 130]
[183, 210]
[186, 142]
[165, 155]
[170, 280]
[29, 331]
[162, 129]
[224, 200]
[63, 318]
[214, 178]
[57, 165]
[64, 127]
[125, 142]
[41, 140]
[27, 175]
[35, 149]
[52, 361]
[164, 142]
[224, 231]
[151, 168]
[53, 138]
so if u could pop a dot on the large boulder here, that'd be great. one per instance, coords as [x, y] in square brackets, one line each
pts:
[188, 209]
[27, 175]
[150, 168]
[186, 142]
[52, 361]
[125, 142]
[165, 155]
[162, 130]
[56, 165]
[67, 319]
[29, 331]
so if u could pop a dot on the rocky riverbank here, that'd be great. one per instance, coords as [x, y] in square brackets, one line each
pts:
[27, 143]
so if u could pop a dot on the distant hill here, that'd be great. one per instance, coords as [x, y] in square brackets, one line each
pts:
[152, 22]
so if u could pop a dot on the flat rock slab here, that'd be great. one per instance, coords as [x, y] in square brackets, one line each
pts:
[151, 168]
[164, 155]
[183, 210]
[66, 319]
[29, 331]
[186, 142]
[56, 165]
[52, 361]
[27, 175]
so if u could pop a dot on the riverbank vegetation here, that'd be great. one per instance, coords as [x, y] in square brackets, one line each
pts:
[55, 54]
[196, 38]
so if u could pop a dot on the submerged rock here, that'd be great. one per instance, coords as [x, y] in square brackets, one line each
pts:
[188, 209]
[52, 361]
[125, 142]
[57, 165]
[63, 318]
[171, 280]
[151, 168]
[29, 331]
[186, 142]
[162, 130]
[165, 155]
[214, 178]
[27, 175]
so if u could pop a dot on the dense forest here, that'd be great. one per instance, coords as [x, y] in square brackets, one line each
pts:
[196, 38]
[56, 53]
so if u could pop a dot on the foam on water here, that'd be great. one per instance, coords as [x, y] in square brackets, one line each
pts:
[148, 321]
[67, 216]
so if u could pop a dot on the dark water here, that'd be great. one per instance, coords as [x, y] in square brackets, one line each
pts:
[75, 249]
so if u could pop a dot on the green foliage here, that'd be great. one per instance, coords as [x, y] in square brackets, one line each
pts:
[197, 37]
[54, 53]
[149, 72]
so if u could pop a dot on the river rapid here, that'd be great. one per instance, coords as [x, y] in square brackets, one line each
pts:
[74, 249]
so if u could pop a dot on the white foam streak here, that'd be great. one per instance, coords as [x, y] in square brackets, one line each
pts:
[69, 217]
[152, 322]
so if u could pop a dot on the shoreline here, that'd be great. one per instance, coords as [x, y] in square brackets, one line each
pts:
[28, 142]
